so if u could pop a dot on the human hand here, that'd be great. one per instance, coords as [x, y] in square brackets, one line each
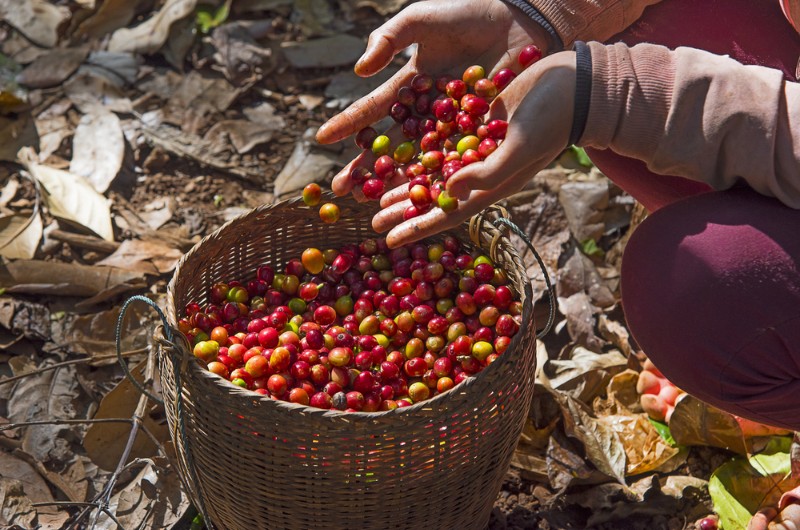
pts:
[538, 106]
[450, 38]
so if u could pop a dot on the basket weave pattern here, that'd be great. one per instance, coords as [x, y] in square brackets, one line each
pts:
[263, 463]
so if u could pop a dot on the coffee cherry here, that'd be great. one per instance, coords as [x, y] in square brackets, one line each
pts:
[381, 145]
[373, 188]
[312, 194]
[329, 213]
[529, 55]
[422, 83]
[365, 137]
[473, 74]
[502, 78]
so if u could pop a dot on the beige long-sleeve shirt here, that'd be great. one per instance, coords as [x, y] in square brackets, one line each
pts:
[685, 112]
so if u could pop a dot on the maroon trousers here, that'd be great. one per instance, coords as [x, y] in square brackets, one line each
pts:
[710, 280]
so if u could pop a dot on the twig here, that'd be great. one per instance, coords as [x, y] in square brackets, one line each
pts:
[136, 422]
[84, 241]
[65, 422]
[67, 363]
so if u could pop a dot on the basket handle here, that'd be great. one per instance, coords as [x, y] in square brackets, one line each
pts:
[178, 365]
[501, 219]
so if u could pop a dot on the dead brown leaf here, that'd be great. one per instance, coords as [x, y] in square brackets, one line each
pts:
[38, 20]
[88, 90]
[105, 442]
[579, 274]
[150, 36]
[583, 374]
[110, 16]
[580, 313]
[52, 68]
[241, 57]
[696, 423]
[35, 488]
[64, 279]
[16, 509]
[244, 135]
[16, 133]
[98, 149]
[584, 204]
[20, 235]
[94, 335]
[145, 256]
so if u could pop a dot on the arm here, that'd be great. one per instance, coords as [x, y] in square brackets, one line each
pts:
[571, 20]
[695, 114]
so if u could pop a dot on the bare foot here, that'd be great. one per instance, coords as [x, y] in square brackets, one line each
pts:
[771, 519]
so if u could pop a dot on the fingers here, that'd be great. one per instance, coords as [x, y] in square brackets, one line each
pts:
[509, 159]
[371, 108]
[761, 519]
[436, 220]
[343, 184]
[395, 194]
[395, 35]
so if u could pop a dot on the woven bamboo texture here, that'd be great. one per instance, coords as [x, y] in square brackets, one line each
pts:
[259, 463]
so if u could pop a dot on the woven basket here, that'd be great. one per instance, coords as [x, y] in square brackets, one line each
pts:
[251, 462]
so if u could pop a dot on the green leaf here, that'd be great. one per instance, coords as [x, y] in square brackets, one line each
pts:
[581, 156]
[744, 485]
[663, 430]
[590, 248]
[208, 18]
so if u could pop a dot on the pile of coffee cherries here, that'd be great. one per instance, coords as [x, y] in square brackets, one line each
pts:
[442, 120]
[359, 328]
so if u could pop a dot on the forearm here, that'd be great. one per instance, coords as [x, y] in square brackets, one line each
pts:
[698, 115]
[571, 20]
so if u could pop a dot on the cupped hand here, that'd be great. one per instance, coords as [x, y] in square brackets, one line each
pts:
[538, 106]
[450, 36]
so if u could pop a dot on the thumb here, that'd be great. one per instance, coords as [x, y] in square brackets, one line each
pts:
[508, 160]
[391, 38]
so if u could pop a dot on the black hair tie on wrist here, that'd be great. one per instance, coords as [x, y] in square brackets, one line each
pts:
[583, 90]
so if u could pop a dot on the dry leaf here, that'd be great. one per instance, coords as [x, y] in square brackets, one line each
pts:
[383, 7]
[150, 36]
[584, 205]
[328, 52]
[94, 335]
[88, 90]
[696, 423]
[70, 197]
[35, 488]
[112, 15]
[105, 442]
[149, 257]
[22, 317]
[117, 67]
[38, 20]
[52, 132]
[305, 165]
[52, 68]
[579, 274]
[16, 510]
[645, 449]
[585, 374]
[98, 149]
[20, 235]
[153, 499]
[244, 135]
[50, 395]
[15, 133]
[64, 279]
[242, 58]
[580, 313]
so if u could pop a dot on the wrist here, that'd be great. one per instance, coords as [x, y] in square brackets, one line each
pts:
[536, 25]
